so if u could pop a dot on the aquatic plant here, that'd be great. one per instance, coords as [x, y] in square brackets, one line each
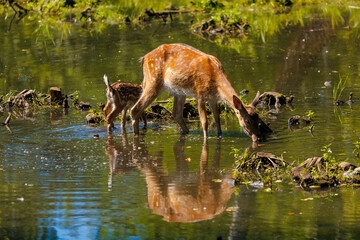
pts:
[339, 88]
[310, 115]
[327, 153]
[356, 150]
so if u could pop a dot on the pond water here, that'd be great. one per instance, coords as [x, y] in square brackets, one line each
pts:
[59, 182]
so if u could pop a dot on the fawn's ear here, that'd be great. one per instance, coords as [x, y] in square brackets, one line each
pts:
[239, 105]
[256, 99]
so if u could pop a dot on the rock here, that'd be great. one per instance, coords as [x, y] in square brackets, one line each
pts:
[93, 118]
[327, 83]
[256, 184]
[84, 106]
[357, 171]
[101, 105]
[275, 98]
[346, 166]
[294, 120]
[298, 172]
[244, 92]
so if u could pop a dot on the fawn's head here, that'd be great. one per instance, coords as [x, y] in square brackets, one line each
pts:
[249, 119]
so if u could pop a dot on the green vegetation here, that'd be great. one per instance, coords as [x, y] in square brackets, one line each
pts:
[339, 88]
[310, 115]
[328, 154]
[224, 22]
[259, 167]
[315, 172]
[356, 150]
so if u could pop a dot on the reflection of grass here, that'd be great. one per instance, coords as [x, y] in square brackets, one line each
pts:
[265, 17]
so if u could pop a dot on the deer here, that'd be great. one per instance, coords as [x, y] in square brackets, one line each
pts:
[120, 97]
[186, 71]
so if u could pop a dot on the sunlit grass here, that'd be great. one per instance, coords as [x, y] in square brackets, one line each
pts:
[339, 88]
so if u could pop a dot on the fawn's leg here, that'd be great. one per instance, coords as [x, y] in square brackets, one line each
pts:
[110, 118]
[123, 118]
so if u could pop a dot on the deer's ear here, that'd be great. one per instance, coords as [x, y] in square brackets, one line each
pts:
[238, 103]
[256, 99]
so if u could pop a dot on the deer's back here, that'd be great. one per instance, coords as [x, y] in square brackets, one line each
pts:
[185, 70]
[128, 92]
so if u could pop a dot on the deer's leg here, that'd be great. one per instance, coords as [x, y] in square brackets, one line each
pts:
[148, 96]
[107, 108]
[143, 116]
[123, 118]
[216, 113]
[178, 108]
[111, 118]
[203, 119]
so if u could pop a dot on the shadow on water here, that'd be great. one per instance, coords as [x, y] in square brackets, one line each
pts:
[184, 196]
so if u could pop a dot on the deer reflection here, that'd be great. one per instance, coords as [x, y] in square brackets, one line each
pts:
[180, 196]
[120, 156]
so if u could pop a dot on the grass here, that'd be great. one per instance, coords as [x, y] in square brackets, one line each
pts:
[339, 88]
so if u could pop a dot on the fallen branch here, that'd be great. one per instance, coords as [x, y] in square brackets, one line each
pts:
[7, 121]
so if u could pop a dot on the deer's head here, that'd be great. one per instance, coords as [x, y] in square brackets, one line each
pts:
[249, 119]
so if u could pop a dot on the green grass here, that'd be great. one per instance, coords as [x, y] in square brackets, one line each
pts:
[339, 88]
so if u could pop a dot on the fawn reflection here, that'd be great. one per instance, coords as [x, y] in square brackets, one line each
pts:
[180, 196]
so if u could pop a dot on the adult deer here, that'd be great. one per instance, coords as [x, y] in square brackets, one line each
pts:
[186, 71]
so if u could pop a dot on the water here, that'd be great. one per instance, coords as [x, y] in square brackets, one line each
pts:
[59, 182]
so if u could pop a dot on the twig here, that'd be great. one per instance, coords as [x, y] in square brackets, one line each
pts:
[7, 121]
[274, 164]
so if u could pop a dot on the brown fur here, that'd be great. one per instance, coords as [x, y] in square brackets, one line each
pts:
[120, 97]
[186, 71]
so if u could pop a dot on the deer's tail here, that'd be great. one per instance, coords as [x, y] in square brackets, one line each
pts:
[106, 80]
[110, 88]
